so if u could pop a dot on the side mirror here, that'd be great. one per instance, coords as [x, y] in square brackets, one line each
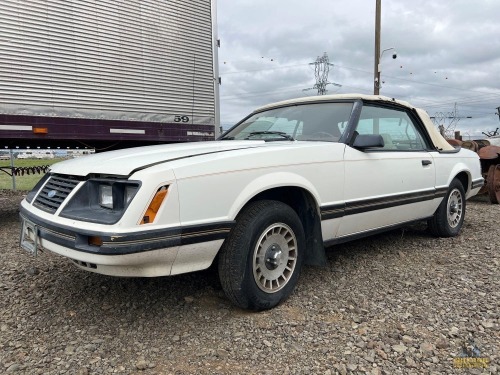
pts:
[364, 141]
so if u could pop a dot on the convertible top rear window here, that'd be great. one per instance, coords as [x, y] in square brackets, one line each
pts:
[307, 122]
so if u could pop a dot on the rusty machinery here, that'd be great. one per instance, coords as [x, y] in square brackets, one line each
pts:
[489, 155]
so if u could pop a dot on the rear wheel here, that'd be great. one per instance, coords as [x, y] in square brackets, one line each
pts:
[449, 217]
[260, 262]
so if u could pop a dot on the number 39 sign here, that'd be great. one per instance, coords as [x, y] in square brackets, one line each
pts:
[181, 118]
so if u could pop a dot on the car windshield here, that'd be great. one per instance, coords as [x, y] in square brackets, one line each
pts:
[305, 122]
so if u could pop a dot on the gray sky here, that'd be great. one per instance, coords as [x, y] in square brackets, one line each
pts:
[448, 52]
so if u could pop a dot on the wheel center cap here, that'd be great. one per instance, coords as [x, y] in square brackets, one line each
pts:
[273, 255]
[453, 208]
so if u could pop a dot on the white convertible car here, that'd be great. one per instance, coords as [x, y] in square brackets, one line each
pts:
[267, 197]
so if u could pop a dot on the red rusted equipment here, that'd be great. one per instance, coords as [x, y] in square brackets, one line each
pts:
[493, 183]
[490, 165]
[482, 143]
[489, 152]
[489, 156]
[455, 142]
[471, 145]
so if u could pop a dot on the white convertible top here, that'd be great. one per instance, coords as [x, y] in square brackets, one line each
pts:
[435, 136]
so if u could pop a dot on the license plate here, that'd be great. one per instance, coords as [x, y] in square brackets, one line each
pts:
[29, 237]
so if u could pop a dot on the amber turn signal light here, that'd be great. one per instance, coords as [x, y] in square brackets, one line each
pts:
[95, 241]
[154, 206]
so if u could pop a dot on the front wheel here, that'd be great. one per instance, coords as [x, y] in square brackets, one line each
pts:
[260, 262]
[449, 217]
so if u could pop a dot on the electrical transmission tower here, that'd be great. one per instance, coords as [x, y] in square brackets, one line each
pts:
[321, 69]
[495, 132]
[447, 122]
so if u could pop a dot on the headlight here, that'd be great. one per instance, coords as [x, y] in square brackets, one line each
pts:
[129, 193]
[101, 200]
[106, 196]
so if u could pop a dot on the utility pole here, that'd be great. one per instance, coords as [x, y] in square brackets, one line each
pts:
[376, 70]
[377, 84]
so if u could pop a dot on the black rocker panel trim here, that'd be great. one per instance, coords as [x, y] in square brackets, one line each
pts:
[334, 211]
[357, 236]
[364, 205]
[477, 183]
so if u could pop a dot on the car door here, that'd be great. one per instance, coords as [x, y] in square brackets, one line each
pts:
[387, 185]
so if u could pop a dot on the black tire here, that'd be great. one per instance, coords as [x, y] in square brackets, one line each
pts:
[449, 217]
[260, 262]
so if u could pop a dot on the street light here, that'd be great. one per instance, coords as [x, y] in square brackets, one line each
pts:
[378, 84]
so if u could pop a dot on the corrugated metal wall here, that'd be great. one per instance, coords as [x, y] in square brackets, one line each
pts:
[147, 60]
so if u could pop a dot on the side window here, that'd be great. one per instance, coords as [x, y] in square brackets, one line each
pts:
[395, 126]
[325, 122]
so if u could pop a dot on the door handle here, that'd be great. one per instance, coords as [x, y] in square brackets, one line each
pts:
[426, 162]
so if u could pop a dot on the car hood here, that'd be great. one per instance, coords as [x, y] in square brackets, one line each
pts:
[125, 162]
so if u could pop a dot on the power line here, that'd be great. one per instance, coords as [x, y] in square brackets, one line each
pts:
[367, 72]
[262, 93]
[491, 96]
[264, 69]
[469, 100]
[482, 96]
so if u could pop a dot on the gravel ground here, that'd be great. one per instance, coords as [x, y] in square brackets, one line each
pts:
[398, 303]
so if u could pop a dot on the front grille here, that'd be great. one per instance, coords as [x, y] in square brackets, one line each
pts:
[55, 191]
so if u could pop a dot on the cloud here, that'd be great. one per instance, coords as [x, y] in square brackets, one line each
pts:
[448, 52]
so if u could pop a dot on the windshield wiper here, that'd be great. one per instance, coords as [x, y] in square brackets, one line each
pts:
[281, 134]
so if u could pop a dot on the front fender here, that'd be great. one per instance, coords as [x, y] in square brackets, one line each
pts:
[267, 182]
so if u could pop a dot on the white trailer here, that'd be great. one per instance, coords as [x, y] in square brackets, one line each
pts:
[94, 73]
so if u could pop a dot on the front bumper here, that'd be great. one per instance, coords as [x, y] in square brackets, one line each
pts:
[157, 252]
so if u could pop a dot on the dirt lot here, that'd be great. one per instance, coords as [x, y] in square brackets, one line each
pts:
[399, 303]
